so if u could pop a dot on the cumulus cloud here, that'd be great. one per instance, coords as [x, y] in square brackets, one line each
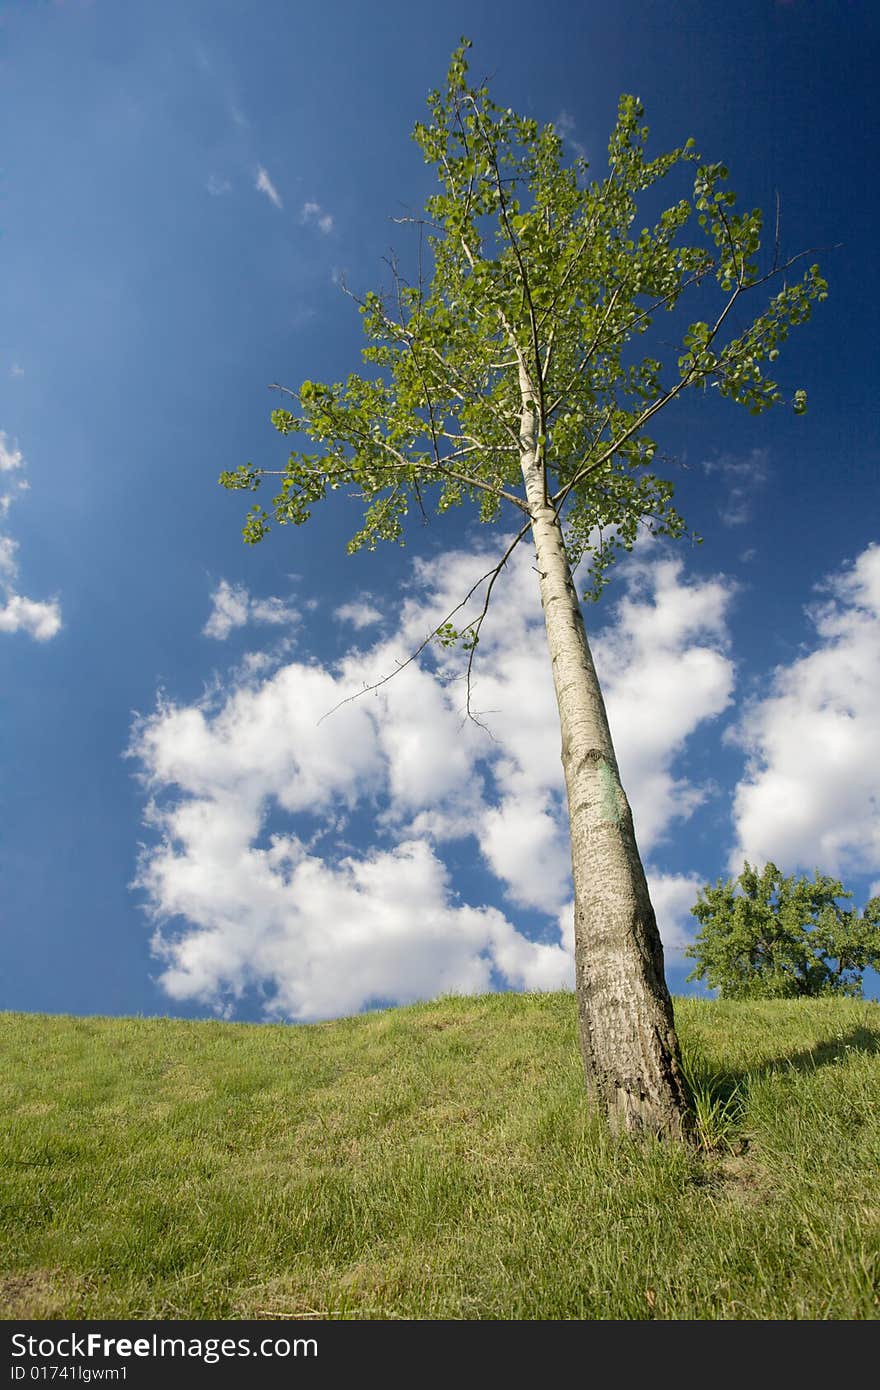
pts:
[232, 606]
[665, 669]
[809, 795]
[359, 613]
[313, 212]
[265, 185]
[20, 614]
[351, 928]
[252, 881]
[41, 619]
[673, 896]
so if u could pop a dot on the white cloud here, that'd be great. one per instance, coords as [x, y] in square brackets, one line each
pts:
[265, 185]
[217, 186]
[665, 670]
[360, 614]
[253, 884]
[272, 610]
[673, 896]
[351, 929]
[809, 797]
[10, 457]
[15, 370]
[8, 547]
[313, 212]
[232, 606]
[18, 613]
[229, 608]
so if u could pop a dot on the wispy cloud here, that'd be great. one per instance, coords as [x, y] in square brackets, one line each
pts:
[16, 370]
[567, 125]
[217, 186]
[741, 479]
[265, 185]
[17, 613]
[314, 213]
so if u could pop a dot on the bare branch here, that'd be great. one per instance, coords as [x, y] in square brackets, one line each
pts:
[429, 404]
[475, 626]
[491, 575]
[418, 222]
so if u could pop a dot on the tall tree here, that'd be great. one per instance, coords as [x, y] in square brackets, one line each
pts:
[508, 376]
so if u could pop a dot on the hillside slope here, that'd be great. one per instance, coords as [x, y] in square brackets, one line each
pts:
[435, 1161]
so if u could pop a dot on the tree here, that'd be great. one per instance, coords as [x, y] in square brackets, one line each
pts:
[507, 377]
[782, 938]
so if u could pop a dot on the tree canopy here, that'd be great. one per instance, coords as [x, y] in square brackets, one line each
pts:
[767, 936]
[531, 275]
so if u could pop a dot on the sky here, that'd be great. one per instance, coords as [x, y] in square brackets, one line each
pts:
[186, 829]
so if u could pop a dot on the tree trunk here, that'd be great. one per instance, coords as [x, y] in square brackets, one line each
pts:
[628, 1040]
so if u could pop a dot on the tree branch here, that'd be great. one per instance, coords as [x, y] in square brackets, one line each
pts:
[475, 626]
[527, 293]
[491, 575]
[401, 462]
[687, 380]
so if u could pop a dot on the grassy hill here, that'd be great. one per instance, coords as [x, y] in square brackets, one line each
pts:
[435, 1161]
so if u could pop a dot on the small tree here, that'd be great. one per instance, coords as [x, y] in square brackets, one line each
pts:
[765, 936]
[506, 376]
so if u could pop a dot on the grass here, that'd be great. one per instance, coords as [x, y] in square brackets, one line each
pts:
[437, 1161]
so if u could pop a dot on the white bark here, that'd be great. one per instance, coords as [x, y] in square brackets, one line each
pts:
[628, 1038]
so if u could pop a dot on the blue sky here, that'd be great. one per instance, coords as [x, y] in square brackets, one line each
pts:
[182, 186]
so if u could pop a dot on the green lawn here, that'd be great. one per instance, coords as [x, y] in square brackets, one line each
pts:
[435, 1161]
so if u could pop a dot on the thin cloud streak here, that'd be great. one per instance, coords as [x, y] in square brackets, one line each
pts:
[265, 185]
[314, 213]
